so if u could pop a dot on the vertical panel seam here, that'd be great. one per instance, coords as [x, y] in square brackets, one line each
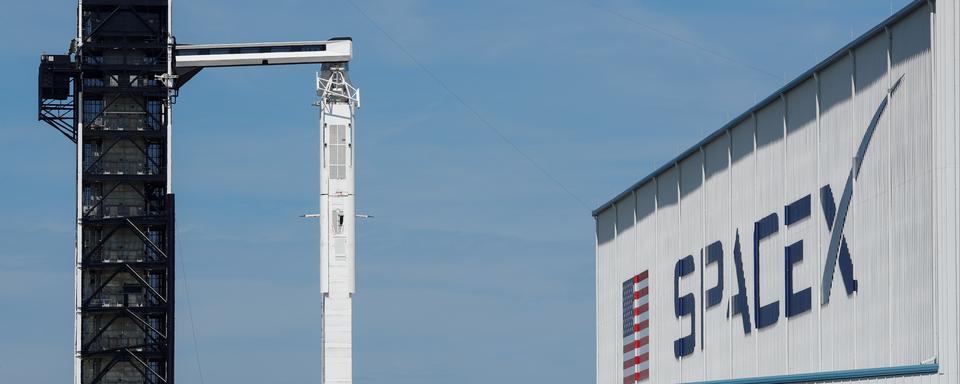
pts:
[816, 212]
[783, 237]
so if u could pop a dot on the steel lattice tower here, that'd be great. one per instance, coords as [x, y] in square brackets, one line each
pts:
[118, 113]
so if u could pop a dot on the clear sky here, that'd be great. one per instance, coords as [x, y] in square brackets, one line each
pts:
[477, 268]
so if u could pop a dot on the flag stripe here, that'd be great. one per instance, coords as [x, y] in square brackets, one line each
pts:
[636, 360]
[641, 342]
[636, 328]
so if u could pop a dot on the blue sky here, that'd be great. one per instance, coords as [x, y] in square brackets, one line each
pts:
[477, 268]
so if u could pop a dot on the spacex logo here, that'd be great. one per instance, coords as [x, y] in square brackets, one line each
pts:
[765, 314]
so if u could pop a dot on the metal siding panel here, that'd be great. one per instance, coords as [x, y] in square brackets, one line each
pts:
[717, 328]
[771, 340]
[626, 239]
[946, 87]
[867, 228]
[691, 241]
[744, 346]
[663, 322]
[646, 232]
[626, 262]
[912, 178]
[609, 368]
[801, 168]
[838, 142]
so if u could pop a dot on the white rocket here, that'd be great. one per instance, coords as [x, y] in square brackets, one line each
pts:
[338, 103]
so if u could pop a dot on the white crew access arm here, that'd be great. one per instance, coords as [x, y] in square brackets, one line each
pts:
[191, 58]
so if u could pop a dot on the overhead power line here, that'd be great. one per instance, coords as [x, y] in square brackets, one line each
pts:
[486, 123]
[186, 289]
[690, 43]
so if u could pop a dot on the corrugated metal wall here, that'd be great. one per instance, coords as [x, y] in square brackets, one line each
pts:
[946, 120]
[901, 229]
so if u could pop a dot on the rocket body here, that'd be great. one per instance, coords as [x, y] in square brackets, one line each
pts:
[338, 105]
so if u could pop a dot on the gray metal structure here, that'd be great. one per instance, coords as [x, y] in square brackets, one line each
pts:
[811, 239]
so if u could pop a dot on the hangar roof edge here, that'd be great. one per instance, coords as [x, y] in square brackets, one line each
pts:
[836, 56]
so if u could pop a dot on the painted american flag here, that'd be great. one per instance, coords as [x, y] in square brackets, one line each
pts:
[636, 329]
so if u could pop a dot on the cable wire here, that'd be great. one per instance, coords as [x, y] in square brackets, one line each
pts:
[186, 289]
[690, 43]
[472, 110]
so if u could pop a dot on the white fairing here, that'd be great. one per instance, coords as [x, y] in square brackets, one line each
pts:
[337, 223]
[898, 322]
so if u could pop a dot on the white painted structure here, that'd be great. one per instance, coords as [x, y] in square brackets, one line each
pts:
[877, 122]
[243, 54]
[338, 103]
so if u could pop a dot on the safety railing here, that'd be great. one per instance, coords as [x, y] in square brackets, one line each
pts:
[108, 300]
[110, 210]
[124, 167]
[125, 121]
[108, 255]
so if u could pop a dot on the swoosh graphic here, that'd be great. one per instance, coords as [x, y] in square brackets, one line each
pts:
[838, 221]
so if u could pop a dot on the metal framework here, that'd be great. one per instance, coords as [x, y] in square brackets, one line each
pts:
[109, 98]
[112, 95]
